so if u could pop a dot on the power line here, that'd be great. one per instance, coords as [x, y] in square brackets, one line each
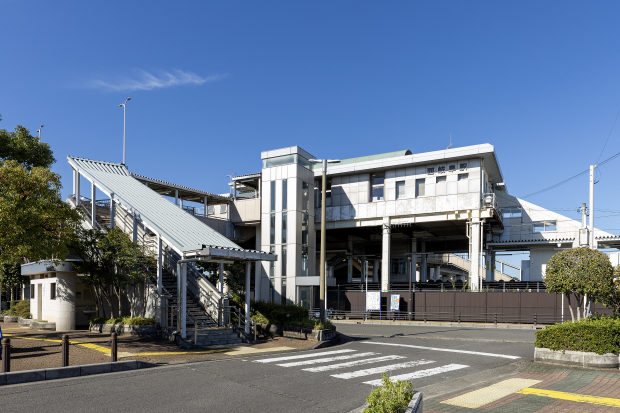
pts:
[604, 146]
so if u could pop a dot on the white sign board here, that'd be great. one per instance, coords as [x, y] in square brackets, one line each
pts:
[373, 301]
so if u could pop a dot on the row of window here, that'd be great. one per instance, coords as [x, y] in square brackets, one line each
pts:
[52, 290]
[420, 187]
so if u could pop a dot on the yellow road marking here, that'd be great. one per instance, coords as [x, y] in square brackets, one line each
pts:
[480, 397]
[573, 397]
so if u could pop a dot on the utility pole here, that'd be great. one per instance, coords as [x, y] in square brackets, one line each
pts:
[124, 106]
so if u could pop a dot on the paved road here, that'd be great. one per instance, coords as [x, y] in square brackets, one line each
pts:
[335, 379]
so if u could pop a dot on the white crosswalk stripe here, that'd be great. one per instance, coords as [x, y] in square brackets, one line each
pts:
[326, 359]
[353, 363]
[379, 370]
[420, 373]
[302, 356]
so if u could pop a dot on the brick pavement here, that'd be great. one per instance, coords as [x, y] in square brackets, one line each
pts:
[559, 389]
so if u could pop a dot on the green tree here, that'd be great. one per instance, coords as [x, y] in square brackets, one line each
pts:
[24, 148]
[11, 276]
[113, 267]
[582, 273]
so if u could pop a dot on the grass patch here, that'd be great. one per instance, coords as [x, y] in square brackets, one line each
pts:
[131, 321]
[598, 335]
[390, 397]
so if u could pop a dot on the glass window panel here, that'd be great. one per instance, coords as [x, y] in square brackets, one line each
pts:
[273, 196]
[304, 297]
[272, 264]
[304, 263]
[463, 166]
[420, 187]
[304, 229]
[284, 216]
[451, 167]
[210, 209]
[378, 179]
[377, 193]
[400, 190]
[441, 169]
[284, 261]
[539, 227]
[430, 171]
[223, 208]
[305, 201]
[463, 176]
[284, 194]
[272, 229]
[441, 179]
[283, 294]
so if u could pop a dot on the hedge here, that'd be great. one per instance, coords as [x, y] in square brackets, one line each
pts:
[135, 321]
[598, 335]
[264, 312]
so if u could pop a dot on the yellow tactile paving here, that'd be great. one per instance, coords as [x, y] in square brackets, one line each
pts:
[573, 397]
[79, 343]
[479, 398]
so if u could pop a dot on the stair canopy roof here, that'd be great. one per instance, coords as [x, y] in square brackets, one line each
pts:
[181, 230]
[185, 193]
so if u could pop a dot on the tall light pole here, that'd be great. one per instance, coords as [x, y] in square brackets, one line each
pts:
[322, 259]
[124, 105]
[40, 132]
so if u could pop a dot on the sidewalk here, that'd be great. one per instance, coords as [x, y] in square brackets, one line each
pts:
[42, 349]
[539, 388]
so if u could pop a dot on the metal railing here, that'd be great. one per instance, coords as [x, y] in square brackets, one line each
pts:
[436, 286]
[448, 316]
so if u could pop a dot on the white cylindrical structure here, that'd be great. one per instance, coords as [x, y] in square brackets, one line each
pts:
[65, 301]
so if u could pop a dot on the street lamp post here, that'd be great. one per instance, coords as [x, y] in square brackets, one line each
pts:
[322, 259]
[124, 105]
[40, 132]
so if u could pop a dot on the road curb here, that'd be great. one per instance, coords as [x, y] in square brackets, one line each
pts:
[436, 324]
[29, 376]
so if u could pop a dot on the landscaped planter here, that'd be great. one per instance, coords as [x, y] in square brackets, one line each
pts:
[414, 406]
[299, 333]
[25, 322]
[124, 329]
[39, 325]
[576, 358]
[10, 319]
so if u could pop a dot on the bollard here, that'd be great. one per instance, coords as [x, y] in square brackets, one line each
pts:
[65, 350]
[535, 320]
[114, 349]
[255, 329]
[425, 316]
[495, 318]
[6, 355]
[459, 318]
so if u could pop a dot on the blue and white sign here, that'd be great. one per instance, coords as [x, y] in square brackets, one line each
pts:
[395, 302]
[373, 301]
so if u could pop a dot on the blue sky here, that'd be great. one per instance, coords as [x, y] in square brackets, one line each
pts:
[214, 83]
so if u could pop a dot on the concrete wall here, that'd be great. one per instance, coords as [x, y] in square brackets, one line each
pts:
[246, 210]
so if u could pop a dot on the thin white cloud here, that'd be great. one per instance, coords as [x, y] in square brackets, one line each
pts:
[143, 80]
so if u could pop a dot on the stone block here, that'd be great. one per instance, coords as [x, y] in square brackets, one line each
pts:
[89, 369]
[577, 358]
[62, 372]
[124, 366]
[27, 376]
[2, 379]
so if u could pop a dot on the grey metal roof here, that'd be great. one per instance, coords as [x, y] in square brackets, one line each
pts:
[181, 230]
[187, 193]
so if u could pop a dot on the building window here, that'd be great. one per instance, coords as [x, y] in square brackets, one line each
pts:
[400, 189]
[284, 194]
[53, 291]
[223, 208]
[272, 291]
[284, 216]
[210, 210]
[305, 198]
[441, 179]
[463, 166]
[284, 261]
[544, 226]
[283, 294]
[441, 169]
[305, 221]
[305, 297]
[430, 171]
[451, 168]
[463, 176]
[420, 187]
[32, 289]
[272, 229]
[512, 212]
[272, 264]
[273, 196]
[377, 187]
[304, 262]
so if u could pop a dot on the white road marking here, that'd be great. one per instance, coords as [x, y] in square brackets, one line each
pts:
[353, 363]
[420, 374]
[382, 369]
[302, 356]
[448, 350]
[326, 359]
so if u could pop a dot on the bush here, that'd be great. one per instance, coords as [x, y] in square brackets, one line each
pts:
[598, 335]
[273, 313]
[390, 397]
[135, 321]
[20, 308]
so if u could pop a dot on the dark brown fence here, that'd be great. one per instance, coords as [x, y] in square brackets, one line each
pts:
[487, 307]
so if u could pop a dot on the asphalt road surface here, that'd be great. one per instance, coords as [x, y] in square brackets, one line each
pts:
[336, 379]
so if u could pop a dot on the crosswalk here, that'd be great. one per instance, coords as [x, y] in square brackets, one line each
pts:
[328, 361]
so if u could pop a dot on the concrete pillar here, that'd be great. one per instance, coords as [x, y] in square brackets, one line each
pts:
[375, 271]
[257, 267]
[248, 275]
[112, 211]
[77, 187]
[65, 301]
[181, 203]
[204, 214]
[385, 255]
[491, 270]
[423, 265]
[431, 274]
[474, 258]
[93, 207]
[183, 300]
[221, 274]
[160, 273]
